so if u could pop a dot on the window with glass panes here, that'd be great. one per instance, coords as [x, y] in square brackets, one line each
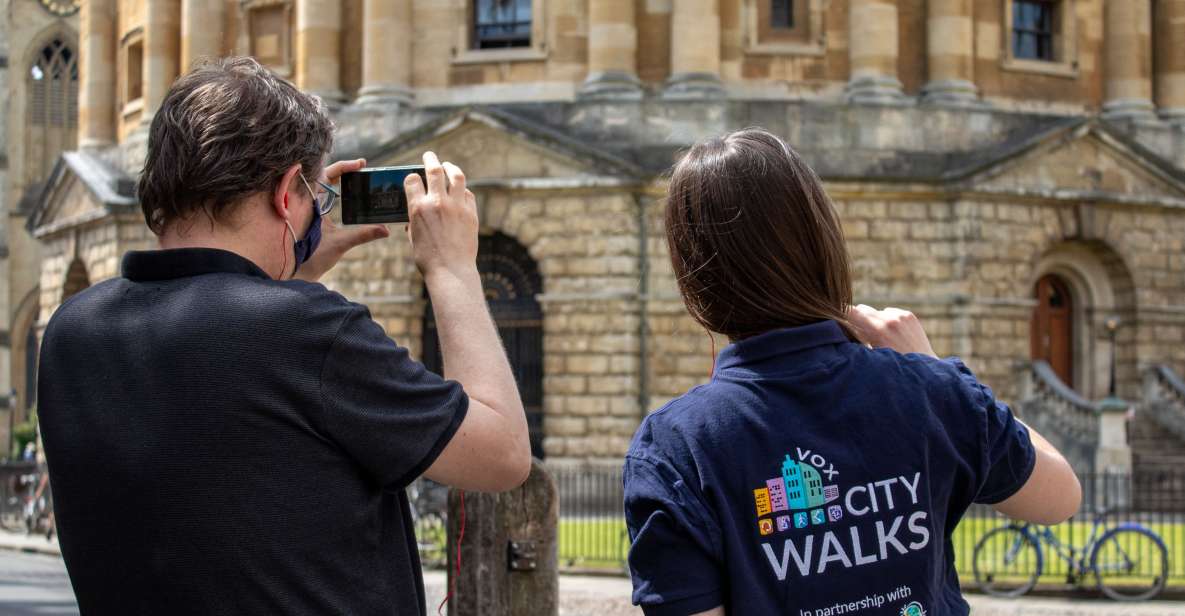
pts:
[781, 14]
[52, 113]
[1033, 29]
[501, 23]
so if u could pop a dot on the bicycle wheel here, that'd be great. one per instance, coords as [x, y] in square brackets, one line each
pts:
[1006, 562]
[1130, 564]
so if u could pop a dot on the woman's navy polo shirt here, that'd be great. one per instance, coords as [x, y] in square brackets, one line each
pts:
[815, 476]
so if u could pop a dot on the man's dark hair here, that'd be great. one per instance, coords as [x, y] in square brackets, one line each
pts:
[755, 243]
[227, 130]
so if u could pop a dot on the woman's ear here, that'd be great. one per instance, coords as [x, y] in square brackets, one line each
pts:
[286, 185]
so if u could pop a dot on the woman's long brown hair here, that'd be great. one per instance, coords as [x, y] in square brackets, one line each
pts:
[754, 240]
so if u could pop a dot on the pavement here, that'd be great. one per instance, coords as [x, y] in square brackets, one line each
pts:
[33, 580]
[34, 584]
[32, 544]
[584, 595]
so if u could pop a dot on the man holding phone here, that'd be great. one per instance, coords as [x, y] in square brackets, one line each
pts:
[227, 436]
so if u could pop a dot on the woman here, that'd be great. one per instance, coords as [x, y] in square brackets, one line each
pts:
[826, 463]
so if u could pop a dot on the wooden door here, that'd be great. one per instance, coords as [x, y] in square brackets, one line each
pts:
[1051, 332]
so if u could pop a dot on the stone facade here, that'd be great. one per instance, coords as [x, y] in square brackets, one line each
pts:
[963, 174]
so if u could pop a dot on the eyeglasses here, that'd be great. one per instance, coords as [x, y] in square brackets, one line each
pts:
[324, 203]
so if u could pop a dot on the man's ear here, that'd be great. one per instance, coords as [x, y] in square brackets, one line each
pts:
[284, 195]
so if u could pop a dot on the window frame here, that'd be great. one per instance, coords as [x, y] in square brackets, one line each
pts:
[1065, 42]
[129, 105]
[464, 51]
[807, 37]
[248, 9]
[798, 32]
[1051, 34]
[473, 28]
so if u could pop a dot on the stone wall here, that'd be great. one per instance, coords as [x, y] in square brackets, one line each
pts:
[965, 265]
[98, 246]
[819, 67]
[586, 246]
[1079, 86]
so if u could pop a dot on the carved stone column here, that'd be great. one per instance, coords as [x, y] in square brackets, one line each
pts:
[872, 51]
[695, 50]
[162, 53]
[318, 49]
[96, 105]
[386, 52]
[201, 31]
[1170, 59]
[612, 51]
[1127, 33]
[950, 48]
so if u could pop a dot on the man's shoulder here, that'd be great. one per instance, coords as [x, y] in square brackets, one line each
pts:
[84, 303]
[300, 307]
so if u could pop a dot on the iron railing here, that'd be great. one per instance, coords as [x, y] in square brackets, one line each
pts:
[592, 531]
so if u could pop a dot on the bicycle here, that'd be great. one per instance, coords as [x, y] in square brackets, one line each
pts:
[1129, 562]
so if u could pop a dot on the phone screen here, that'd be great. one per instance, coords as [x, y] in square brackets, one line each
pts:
[375, 195]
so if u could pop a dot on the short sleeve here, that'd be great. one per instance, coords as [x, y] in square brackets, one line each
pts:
[1007, 454]
[387, 411]
[674, 553]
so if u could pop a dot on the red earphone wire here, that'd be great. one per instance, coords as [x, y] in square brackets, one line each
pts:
[460, 538]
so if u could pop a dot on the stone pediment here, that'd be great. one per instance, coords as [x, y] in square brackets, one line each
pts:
[497, 147]
[1085, 161]
[81, 189]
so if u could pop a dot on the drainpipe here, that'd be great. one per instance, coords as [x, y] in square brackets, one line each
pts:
[643, 304]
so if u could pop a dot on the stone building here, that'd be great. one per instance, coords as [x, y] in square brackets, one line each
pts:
[1013, 171]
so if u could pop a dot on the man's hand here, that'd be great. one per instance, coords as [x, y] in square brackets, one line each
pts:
[891, 328]
[337, 241]
[443, 220]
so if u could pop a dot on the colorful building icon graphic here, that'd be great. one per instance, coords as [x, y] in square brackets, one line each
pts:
[804, 485]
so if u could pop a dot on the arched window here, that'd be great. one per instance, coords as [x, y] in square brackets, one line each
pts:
[52, 113]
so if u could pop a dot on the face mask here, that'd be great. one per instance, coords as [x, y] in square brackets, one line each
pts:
[304, 249]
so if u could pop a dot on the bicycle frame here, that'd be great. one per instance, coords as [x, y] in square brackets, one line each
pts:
[1077, 559]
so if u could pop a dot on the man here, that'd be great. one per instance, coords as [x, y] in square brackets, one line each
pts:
[227, 436]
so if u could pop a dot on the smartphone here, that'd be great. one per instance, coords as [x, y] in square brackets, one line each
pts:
[375, 194]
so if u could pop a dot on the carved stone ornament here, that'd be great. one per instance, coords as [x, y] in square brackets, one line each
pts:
[61, 8]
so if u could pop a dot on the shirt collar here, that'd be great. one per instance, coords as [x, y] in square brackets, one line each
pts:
[780, 342]
[146, 265]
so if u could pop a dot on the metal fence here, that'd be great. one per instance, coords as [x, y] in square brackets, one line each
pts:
[592, 532]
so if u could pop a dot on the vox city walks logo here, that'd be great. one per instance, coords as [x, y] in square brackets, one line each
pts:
[800, 497]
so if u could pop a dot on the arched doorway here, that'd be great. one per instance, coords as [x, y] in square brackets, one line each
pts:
[511, 282]
[1051, 333]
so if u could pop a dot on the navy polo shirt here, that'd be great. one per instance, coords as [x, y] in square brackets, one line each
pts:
[220, 442]
[815, 476]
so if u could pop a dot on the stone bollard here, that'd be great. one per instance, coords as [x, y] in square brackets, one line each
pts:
[509, 565]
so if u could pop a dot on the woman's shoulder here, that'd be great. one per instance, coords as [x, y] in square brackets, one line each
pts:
[688, 420]
[933, 376]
